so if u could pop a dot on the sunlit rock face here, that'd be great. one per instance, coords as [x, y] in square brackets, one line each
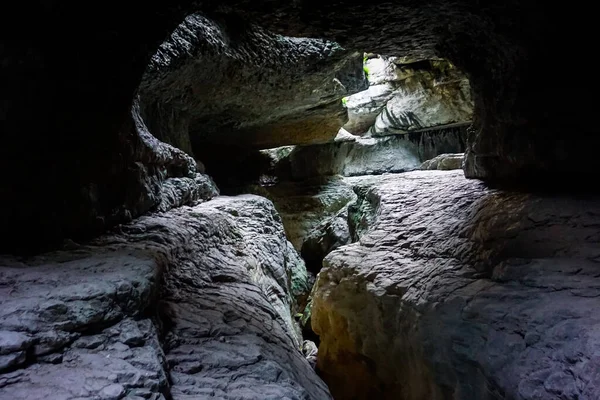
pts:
[445, 162]
[454, 290]
[404, 98]
[226, 82]
[196, 302]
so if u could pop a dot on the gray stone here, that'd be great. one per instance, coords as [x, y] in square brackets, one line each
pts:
[444, 162]
[12, 360]
[434, 94]
[221, 282]
[11, 342]
[212, 84]
[459, 291]
[354, 155]
[112, 392]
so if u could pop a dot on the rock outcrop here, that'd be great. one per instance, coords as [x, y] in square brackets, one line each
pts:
[306, 205]
[349, 156]
[193, 303]
[411, 97]
[228, 82]
[459, 291]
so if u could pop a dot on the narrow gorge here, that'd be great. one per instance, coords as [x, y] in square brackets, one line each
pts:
[298, 200]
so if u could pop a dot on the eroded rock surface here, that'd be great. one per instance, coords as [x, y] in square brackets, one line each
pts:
[459, 291]
[228, 82]
[411, 97]
[306, 205]
[372, 156]
[192, 303]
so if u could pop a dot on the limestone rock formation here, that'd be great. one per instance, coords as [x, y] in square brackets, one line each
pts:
[196, 302]
[445, 162]
[349, 156]
[62, 110]
[305, 205]
[228, 82]
[459, 291]
[410, 97]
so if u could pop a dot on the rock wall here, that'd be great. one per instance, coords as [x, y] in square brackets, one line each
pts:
[142, 174]
[355, 155]
[409, 97]
[62, 111]
[458, 291]
[196, 302]
[227, 82]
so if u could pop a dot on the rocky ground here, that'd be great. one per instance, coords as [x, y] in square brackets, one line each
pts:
[194, 303]
[458, 291]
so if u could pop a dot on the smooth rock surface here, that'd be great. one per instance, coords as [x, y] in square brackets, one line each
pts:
[192, 303]
[459, 291]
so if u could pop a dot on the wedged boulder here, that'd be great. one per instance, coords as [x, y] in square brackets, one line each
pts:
[192, 303]
[459, 291]
[228, 82]
[444, 162]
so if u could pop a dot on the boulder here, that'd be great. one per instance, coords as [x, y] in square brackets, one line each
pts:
[460, 291]
[308, 205]
[192, 303]
[445, 162]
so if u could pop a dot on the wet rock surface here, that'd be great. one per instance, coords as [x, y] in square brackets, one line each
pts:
[455, 290]
[196, 302]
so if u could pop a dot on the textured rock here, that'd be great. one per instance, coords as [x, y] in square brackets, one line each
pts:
[458, 291]
[62, 111]
[409, 97]
[227, 82]
[445, 162]
[360, 155]
[429, 94]
[143, 175]
[306, 205]
[216, 282]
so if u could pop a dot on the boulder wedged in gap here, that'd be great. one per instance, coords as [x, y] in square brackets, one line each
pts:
[459, 291]
[193, 302]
